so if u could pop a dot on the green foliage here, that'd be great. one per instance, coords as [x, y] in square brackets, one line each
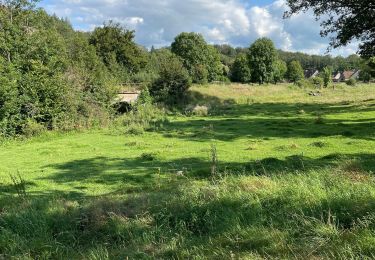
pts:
[295, 71]
[144, 97]
[240, 70]
[318, 82]
[327, 76]
[346, 20]
[200, 74]
[50, 76]
[145, 117]
[351, 82]
[279, 71]
[367, 69]
[114, 44]
[198, 57]
[262, 57]
[173, 82]
[318, 62]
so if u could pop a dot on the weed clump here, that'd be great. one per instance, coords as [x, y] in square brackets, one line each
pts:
[319, 144]
[319, 120]
[145, 117]
[149, 157]
[198, 110]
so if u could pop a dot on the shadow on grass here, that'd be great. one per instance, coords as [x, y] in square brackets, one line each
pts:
[179, 220]
[275, 120]
[139, 174]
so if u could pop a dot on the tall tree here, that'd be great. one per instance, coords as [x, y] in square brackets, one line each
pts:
[198, 57]
[116, 44]
[240, 71]
[295, 71]
[279, 71]
[327, 76]
[347, 20]
[262, 56]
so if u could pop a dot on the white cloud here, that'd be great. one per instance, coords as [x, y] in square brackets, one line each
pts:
[157, 22]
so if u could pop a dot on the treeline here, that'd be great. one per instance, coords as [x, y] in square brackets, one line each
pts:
[53, 77]
[308, 62]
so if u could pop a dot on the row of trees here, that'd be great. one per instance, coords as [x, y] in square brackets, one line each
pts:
[53, 77]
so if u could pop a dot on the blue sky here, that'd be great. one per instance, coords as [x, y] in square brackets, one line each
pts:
[237, 22]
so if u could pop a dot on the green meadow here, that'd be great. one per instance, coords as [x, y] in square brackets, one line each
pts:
[270, 173]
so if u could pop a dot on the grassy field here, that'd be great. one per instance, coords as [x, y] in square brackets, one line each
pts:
[294, 179]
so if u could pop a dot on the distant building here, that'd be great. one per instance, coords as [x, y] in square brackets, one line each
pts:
[349, 74]
[337, 77]
[311, 74]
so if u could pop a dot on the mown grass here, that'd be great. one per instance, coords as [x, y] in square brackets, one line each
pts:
[294, 179]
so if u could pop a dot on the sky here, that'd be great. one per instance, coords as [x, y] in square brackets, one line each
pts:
[235, 22]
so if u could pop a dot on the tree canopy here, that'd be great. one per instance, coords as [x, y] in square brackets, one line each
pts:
[262, 56]
[200, 59]
[344, 20]
[295, 71]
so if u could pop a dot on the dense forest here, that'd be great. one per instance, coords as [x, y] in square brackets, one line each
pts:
[54, 77]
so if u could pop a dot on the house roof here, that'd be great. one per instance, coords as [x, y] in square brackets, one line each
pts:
[347, 74]
[311, 73]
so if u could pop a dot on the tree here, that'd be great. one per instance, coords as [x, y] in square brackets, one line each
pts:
[367, 70]
[327, 76]
[262, 56]
[115, 44]
[279, 71]
[240, 71]
[173, 82]
[295, 71]
[195, 54]
[347, 20]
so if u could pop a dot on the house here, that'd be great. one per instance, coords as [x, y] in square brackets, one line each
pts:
[311, 74]
[349, 74]
[337, 77]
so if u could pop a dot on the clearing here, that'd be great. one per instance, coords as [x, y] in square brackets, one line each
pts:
[294, 179]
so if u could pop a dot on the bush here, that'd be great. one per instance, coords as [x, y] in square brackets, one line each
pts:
[33, 128]
[318, 82]
[351, 82]
[200, 111]
[144, 97]
[172, 84]
[144, 117]
[303, 83]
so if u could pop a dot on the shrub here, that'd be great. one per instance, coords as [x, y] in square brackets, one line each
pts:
[351, 82]
[149, 156]
[318, 82]
[135, 129]
[33, 128]
[200, 111]
[143, 117]
[327, 76]
[304, 83]
[144, 97]
[172, 84]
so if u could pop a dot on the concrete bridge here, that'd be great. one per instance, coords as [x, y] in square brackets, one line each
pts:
[128, 93]
[127, 96]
